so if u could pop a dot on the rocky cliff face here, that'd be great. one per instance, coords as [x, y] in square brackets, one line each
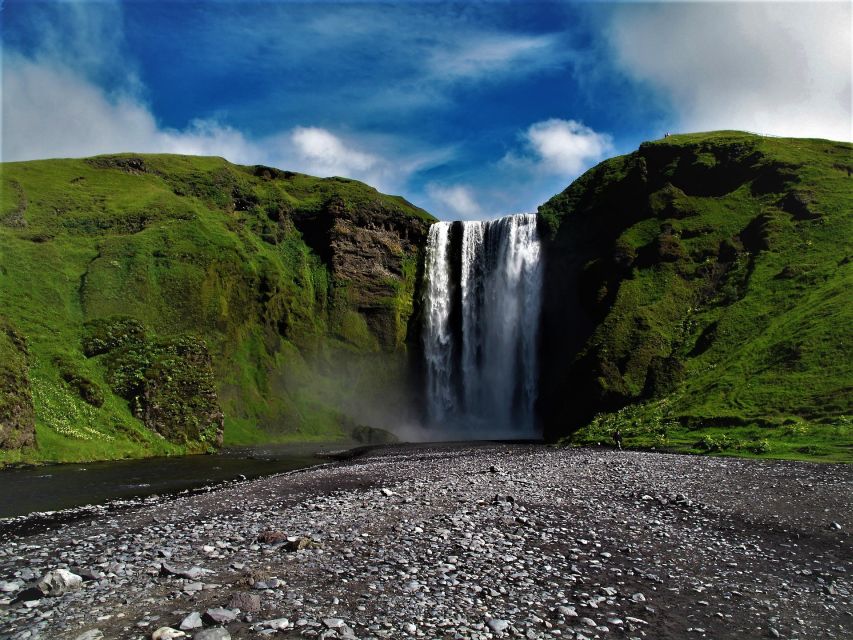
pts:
[373, 251]
[701, 276]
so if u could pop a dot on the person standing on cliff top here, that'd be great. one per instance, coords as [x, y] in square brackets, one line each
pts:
[617, 438]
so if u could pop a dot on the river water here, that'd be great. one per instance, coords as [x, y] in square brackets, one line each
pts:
[62, 486]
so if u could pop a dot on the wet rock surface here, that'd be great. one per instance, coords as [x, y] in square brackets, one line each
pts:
[460, 541]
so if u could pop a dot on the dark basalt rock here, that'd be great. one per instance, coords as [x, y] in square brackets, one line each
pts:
[133, 165]
[799, 205]
[367, 247]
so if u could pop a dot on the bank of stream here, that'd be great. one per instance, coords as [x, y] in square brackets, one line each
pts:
[66, 486]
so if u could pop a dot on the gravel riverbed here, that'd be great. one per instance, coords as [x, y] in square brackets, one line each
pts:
[457, 541]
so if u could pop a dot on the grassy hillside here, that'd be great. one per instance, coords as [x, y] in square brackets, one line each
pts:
[160, 290]
[707, 284]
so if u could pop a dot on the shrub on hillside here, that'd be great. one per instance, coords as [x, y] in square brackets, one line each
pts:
[106, 334]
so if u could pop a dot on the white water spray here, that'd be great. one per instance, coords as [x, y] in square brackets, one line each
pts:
[482, 305]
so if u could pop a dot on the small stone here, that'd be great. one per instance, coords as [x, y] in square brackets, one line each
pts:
[245, 602]
[279, 624]
[217, 633]
[89, 575]
[410, 628]
[272, 537]
[638, 597]
[773, 633]
[387, 492]
[167, 633]
[300, 543]
[91, 634]
[333, 623]
[27, 574]
[192, 621]
[497, 625]
[219, 615]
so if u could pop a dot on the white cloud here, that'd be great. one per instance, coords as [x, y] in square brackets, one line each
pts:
[51, 111]
[328, 154]
[482, 56]
[560, 147]
[783, 69]
[459, 199]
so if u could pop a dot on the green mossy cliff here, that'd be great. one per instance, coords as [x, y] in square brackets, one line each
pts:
[154, 304]
[698, 295]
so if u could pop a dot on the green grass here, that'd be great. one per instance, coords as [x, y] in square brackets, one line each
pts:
[650, 426]
[188, 246]
[719, 286]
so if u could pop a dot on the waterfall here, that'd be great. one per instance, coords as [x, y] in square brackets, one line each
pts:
[481, 311]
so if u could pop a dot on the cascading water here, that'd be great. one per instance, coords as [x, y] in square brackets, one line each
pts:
[484, 282]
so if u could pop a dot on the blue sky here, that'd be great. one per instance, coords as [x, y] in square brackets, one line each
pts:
[470, 110]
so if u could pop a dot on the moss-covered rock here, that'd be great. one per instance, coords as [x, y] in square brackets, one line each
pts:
[705, 275]
[178, 398]
[168, 382]
[103, 335]
[17, 416]
[88, 390]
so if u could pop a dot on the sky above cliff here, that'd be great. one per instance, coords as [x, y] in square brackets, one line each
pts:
[469, 110]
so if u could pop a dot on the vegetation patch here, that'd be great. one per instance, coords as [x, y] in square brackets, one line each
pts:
[704, 272]
[166, 298]
[17, 416]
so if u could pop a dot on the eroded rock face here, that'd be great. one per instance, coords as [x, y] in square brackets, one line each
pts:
[17, 417]
[374, 252]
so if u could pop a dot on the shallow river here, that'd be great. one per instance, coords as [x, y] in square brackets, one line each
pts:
[54, 487]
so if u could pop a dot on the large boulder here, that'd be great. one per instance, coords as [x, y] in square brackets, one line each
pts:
[59, 582]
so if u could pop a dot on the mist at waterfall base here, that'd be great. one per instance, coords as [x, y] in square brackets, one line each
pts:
[481, 318]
